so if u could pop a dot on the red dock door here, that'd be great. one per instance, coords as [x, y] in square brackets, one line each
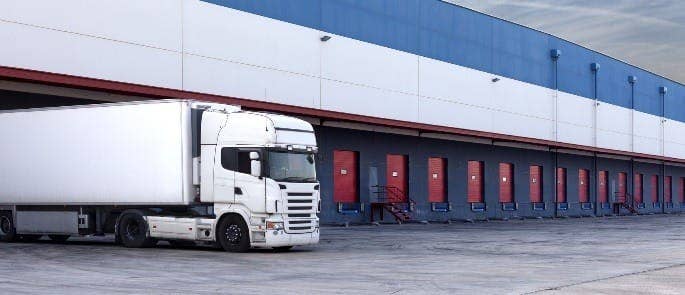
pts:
[437, 182]
[345, 177]
[681, 190]
[637, 188]
[506, 183]
[536, 184]
[561, 185]
[583, 186]
[475, 182]
[396, 178]
[655, 188]
[603, 187]
[622, 187]
[667, 189]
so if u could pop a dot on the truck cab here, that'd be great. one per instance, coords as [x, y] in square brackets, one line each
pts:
[259, 167]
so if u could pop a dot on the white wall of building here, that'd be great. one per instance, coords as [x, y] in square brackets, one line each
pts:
[201, 47]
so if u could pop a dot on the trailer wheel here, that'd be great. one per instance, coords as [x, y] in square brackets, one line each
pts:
[133, 231]
[232, 234]
[58, 238]
[7, 231]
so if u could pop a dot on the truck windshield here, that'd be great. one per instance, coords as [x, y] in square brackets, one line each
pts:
[291, 166]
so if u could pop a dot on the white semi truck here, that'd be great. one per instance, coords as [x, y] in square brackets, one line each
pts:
[176, 170]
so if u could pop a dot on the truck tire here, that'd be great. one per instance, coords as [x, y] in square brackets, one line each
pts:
[232, 234]
[58, 238]
[7, 231]
[133, 231]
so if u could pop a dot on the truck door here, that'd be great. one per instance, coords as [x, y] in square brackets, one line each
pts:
[250, 190]
[224, 175]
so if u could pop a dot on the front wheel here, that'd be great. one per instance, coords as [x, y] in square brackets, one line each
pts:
[232, 234]
[133, 231]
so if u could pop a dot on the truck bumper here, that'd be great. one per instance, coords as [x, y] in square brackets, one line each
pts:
[279, 238]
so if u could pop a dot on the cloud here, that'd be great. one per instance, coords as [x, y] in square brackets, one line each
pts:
[648, 34]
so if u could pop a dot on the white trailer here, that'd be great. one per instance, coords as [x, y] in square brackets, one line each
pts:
[163, 170]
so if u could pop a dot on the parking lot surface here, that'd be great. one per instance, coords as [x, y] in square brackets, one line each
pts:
[611, 255]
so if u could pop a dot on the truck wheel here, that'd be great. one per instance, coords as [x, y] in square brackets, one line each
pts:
[232, 234]
[133, 231]
[7, 231]
[58, 238]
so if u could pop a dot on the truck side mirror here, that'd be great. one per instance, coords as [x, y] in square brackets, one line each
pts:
[256, 168]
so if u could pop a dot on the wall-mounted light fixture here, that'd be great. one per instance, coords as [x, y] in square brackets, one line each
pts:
[663, 89]
[325, 38]
[555, 54]
[632, 79]
[594, 67]
[495, 79]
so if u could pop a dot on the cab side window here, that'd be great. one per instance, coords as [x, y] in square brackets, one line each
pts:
[244, 162]
[236, 160]
[228, 158]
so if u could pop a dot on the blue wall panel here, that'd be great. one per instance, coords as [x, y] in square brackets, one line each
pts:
[457, 35]
[388, 23]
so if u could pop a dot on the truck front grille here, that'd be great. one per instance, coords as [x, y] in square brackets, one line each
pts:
[300, 226]
[300, 212]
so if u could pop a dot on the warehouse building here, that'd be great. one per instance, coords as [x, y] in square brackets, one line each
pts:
[423, 110]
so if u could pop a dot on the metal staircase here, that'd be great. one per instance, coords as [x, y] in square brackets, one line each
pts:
[624, 200]
[393, 200]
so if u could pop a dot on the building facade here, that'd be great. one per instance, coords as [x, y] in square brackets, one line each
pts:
[456, 114]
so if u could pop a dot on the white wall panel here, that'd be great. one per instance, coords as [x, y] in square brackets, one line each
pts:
[218, 32]
[647, 125]
[575, 119]
[647, 145]
[357, 62]
[674, 134]
[647, 133]
[522, 125]
[155, 23]
[613, 127]
[67, 53]
[523, 98]
[452, 114]
[450, 82]
[348, 98]
[219, 77]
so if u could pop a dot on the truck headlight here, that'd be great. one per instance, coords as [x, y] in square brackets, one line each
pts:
[271, 225]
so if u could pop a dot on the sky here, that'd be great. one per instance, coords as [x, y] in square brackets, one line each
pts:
[646, 33]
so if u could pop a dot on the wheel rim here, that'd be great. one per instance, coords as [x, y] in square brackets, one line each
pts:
[5, 225]
[132, 230]
[233, 234]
